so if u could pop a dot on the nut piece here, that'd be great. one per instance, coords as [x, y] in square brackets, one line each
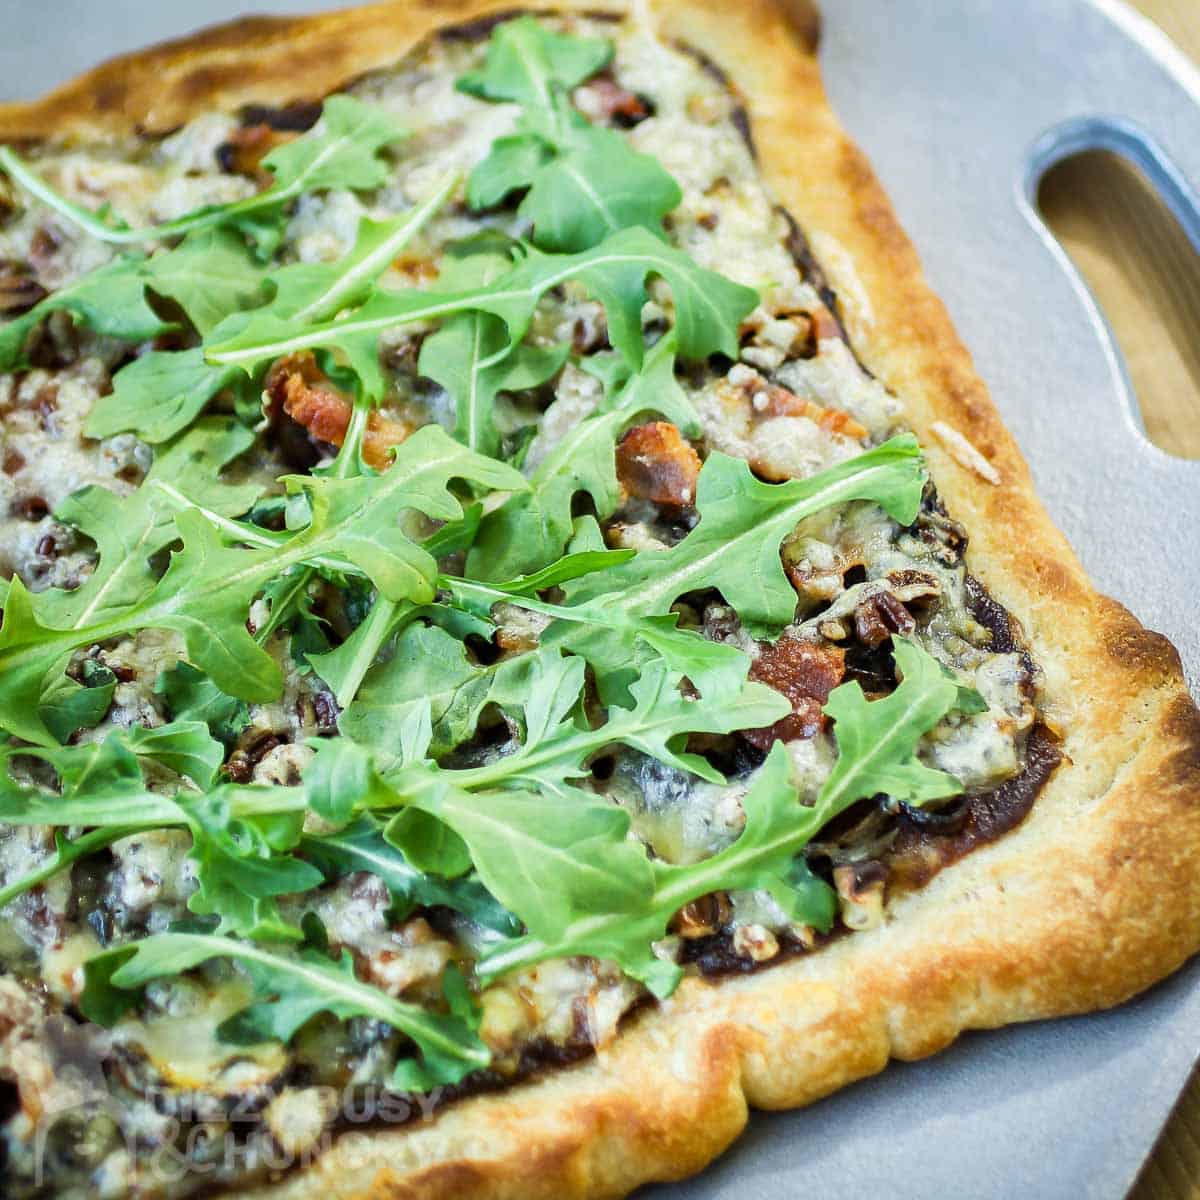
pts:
[755, 942]
[702, 917]
[860, 889]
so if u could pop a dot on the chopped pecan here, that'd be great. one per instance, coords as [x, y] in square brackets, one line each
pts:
[700, 918]
[860, 888]
[805, 672]
[878, 616]
[19, 289]
[656, 463]
[296, 385]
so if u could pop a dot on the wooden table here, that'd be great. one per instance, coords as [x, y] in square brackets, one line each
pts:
[1147, 278]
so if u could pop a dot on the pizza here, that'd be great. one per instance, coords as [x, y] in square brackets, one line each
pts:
[523, 635]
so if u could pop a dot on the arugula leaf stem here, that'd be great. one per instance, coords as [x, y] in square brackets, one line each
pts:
[67, 853]
[338, 987]
[372, 265]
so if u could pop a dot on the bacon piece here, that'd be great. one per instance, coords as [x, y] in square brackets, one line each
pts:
[805, 672]
[655, 463]
[878, 616]
[247, 146]
[779, 402]
[297, 386]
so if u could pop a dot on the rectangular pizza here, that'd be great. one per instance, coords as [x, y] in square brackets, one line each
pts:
[524, 636]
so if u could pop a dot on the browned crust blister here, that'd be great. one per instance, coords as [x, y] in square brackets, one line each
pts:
[1093, 898]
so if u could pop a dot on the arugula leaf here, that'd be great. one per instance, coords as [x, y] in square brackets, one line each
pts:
[159, 395]
[528, 63]
[239, 871]
[185, 747]
[110, 301]
[192, 696]
[877, 743]
[530, 529]
[472, 358]
[428, 667]
[342, 150]
[361, 846]
[735, 548]
[708, 306]
[208, 586]
[129, 532]
[67, 706]
[295, 988]
[163, 392]
[209, 275]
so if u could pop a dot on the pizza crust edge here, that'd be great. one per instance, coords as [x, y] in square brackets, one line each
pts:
[1090, 900]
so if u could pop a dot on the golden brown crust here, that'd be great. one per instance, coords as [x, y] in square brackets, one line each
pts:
[1090, 900]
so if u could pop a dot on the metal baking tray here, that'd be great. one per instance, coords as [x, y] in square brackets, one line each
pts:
[961, 106]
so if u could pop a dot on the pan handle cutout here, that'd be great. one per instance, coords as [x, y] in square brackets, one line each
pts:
[1130, 223]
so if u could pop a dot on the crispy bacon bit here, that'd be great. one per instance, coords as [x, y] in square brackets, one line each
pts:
[776, 401]
[296, 385]
[771, 400]
[19, 290]
[603, 99]
[878, 616]
[805, 672]
[247, 147]
[655, 463]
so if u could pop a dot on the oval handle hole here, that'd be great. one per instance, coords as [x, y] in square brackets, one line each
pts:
[1145, 274]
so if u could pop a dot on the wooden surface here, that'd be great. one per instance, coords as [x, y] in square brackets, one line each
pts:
[1147, 279]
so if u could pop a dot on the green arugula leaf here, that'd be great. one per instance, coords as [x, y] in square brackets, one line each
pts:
[163, 392]
[239, 869]
[528, 64]
[361, 846]
[583, 183]
[110, 301]
[295, 987]
[159, 395]
[129, 532]
[208, 586]
[192, 696]
[530, 529]
[68, 706]
[877, 744]
[472, 358]
[735, 548]
[558, 744]
[428, 667]
[209, 275]
[341, 151]
[707, 306]
[185, 747]
[596, 187]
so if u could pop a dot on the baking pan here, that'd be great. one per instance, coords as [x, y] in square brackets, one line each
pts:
[961, 106]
